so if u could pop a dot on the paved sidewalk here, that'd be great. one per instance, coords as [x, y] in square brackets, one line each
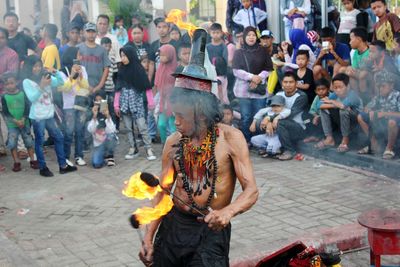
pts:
[81, 219]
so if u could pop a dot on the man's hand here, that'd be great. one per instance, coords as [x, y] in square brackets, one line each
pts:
[218, 219]
[270, 129]
[146, 253]
[95, 110]
[275, 122]
[264, 123]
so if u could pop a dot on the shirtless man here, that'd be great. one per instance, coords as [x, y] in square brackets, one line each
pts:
[184, 237]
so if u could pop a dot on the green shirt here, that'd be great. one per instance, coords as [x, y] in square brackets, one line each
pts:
[16, 107]
[357, 58]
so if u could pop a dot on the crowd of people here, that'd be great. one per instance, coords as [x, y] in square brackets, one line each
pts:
[319, 86]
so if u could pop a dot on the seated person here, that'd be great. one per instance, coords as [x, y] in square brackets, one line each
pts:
[268, 142]
[314, 128]
[103, 131]
[382, 116]
[229, 118]
[341, 108]
[331, 56]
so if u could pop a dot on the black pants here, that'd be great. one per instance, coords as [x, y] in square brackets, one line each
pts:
[181, 240]
[289, 132]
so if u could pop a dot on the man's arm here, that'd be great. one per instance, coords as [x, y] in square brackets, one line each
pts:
[239, 153]
[300, 105]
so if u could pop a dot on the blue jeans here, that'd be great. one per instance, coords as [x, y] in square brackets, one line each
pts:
[106, 149]
[249, 108]
[51, 126]
[151, 124]
[74, 125]
[13, 135]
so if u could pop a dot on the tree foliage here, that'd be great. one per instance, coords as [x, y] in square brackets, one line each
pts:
[126, 8]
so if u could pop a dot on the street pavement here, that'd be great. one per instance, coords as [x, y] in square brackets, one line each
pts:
[81, 219]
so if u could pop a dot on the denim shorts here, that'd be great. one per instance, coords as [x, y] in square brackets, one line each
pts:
[14, 133]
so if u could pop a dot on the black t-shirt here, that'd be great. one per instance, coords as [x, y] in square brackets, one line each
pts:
[141, 50]
[20, 44]
[308, 78]
[155, 50]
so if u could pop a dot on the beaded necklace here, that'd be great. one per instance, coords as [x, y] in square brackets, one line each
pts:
[196, 164]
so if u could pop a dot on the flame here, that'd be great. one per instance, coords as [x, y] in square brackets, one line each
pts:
[136, 188]
[177, 16]
[146, 215]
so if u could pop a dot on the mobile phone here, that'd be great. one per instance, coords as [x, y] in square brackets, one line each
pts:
[103, 105]
[76, 62]
[325, 45]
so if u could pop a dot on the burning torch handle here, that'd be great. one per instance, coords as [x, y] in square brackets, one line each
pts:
[183, 202]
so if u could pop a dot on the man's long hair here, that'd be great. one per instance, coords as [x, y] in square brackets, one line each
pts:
[204, 104]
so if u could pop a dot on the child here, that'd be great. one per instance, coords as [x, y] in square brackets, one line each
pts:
[217, 47]
[163, 84]
[348, 21]
[175, 33]
[50, 55]
[305, 77]
[228, 118]
[184, 56]
[387, 26]
[119, 31]
[314, 127]
[103, 131]
[382, 116]
[109, 86]
[268, 142]
[341, 107]
[132, 82]
[151, 121]
[249, 15]
[16, 111]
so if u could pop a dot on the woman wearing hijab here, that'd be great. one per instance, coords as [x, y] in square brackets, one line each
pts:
[251, 66]
[132, 82]
[164, 83]
[292, 9]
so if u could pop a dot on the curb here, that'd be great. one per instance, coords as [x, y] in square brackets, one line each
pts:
[345, 237]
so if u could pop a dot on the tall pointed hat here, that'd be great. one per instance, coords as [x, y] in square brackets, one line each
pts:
[194, 76]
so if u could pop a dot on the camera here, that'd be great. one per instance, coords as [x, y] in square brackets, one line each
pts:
[47, 74]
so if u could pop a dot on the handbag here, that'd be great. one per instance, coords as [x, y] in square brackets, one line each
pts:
[261, 88]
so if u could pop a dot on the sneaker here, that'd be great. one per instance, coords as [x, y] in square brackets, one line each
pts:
[69, 162]
[46, 172]
[34, 164]
[80, 162]
[68, 169]
[110, 162]
[133, 153]
[17, 167]
[150, 154]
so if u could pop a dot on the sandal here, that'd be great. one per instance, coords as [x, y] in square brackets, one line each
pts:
[364, 151]
[388, 154]
[342, 148]
[321, 145]
[311, 139]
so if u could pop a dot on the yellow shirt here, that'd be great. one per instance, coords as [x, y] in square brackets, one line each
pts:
[51, 57]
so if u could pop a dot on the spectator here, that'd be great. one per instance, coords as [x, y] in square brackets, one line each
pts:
[294, 11]
[73, 34]
[358, 42]
[119, 31]
[249, 15]
[38, 85]
[300, 41]
[142, 48]
[75, 92]
[228, 117]
[239, 37]
[18, 41]
[251, 66]
[232, 8]
[132, 82]
[304, 76]
[134, 22]
[163, 85]
[348, 21]
[15, 107]
[79, 13]
[109, 86]
[267, 41]
[268, 142]
[331, 56]
[103, 132]
[94, 58]
[292, 129]
[341, 108]
[50, 55]
[387, 26]
[184, 56]
[217, 47]
[175, 33]
[8, 57]
[381, 118]
[314, 128]
[103, 23]
[364, 19]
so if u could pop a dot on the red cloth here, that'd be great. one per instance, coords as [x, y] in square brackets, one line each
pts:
[9, 62]
[164, 79]
[145, 35]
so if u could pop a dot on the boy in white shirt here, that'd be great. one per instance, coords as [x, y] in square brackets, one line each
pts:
[249, 15]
